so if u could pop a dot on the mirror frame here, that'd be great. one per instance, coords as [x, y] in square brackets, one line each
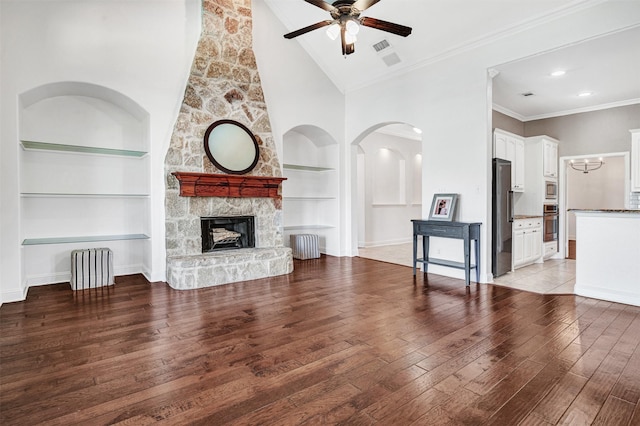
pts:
[210, 133]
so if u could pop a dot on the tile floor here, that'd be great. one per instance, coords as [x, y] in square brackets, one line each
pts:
[551, 277]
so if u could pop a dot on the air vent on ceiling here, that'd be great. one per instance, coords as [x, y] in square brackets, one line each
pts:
[391, 59]
[381, 45]
[527, 94]
[386, 52]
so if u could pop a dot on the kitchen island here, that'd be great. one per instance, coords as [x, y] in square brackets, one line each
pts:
[608, 255]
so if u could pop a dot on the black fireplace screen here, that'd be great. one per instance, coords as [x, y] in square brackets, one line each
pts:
[224, 233]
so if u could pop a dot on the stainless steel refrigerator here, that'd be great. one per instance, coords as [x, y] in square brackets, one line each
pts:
[502, 217]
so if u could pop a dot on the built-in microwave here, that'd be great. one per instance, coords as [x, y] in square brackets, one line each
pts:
[550, 190]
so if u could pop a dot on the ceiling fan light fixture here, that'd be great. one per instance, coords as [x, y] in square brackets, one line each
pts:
[333, 31]
[346, 21]
[352, 27]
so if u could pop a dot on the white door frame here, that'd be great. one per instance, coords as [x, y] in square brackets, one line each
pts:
[562, 193]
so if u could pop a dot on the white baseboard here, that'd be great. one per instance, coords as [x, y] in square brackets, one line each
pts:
[371, 244]
[627, 298]
[62, 277]
[13, 296]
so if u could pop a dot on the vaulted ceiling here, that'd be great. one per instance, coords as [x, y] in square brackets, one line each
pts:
[606, 66]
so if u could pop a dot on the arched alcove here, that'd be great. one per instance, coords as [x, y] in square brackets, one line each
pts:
[84, 178]
[311, 191]
[386, 178]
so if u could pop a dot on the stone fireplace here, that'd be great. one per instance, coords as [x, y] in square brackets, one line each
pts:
[223, 84]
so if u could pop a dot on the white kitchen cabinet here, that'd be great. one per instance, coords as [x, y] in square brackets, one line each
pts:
[527, 241]
[531, 201]
[550, 158]
[635, 160]
[508, 146]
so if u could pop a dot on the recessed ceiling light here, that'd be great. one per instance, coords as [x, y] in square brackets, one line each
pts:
[418, 131]
[585, 94]
[558, 73]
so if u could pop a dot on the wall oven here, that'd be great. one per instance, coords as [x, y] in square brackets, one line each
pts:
[550, 222]
[550, 190]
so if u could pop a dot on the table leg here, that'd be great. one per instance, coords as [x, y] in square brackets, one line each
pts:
[425, 253]
[415, 252]
[478, 259]
[467, 261]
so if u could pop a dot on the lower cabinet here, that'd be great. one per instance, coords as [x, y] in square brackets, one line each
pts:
[527, 241]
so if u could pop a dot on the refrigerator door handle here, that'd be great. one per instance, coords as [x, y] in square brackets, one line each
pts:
[510, 205]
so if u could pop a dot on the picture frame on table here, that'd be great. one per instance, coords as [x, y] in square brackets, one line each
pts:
[443, 207]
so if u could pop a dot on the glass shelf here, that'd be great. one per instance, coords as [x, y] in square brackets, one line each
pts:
[44, 146]
[306, 168]
[82, 239]
[76, 195]
[308, 198]
[69, 195]
[310, 227]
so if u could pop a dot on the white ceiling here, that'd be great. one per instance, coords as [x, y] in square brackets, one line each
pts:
[607, 66]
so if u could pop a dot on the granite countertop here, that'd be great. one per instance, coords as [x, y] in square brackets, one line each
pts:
[526, 216]
[605, 210]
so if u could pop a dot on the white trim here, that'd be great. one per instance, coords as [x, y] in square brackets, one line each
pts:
[61, 277]
[524, 119]
[607, 294]
[13, 296]
[370, 244]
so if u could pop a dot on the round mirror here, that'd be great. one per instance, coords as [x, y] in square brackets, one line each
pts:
[231, 147]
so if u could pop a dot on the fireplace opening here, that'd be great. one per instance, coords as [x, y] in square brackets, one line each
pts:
[225, 233]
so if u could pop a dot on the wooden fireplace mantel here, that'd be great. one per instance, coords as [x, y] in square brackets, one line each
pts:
[238, 186]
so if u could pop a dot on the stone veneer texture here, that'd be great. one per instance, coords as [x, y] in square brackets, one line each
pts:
[223, 84]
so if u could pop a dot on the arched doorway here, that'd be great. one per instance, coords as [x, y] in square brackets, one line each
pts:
[388, 191]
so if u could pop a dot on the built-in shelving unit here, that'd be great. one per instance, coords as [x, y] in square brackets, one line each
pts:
[310, 193]
[84, 180]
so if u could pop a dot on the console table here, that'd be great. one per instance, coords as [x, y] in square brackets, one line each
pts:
[459, 230]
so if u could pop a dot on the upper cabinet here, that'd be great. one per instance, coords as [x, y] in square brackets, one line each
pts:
[550, 158]
[509, 146]
[635, 160]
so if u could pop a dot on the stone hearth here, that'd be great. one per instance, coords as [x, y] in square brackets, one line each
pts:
[227, 266]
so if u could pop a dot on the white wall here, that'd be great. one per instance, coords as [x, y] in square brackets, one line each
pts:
[141, 49]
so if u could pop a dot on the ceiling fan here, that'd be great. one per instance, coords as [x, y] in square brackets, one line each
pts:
[345, 20]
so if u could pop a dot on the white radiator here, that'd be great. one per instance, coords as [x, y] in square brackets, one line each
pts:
[91, 268]
[305, 246]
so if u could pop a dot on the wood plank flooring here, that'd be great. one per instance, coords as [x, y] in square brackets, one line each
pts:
[339, 341]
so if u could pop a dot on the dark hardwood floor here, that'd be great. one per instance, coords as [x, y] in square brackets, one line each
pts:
[339, 341]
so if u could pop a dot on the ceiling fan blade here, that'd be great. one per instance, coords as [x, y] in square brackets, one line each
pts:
[364, 4]
[322, 5]
[389, 27]
[307, 29]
